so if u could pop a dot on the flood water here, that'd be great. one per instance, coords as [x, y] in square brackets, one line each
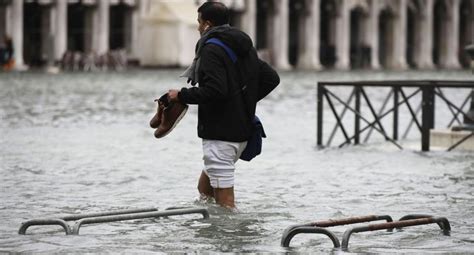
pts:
[80, 143]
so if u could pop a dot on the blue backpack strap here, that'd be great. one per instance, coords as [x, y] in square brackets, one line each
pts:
[227, 49]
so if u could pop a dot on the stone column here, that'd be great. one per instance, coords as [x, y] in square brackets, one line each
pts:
[60, 37]
[342, 37]
[425, 54]
[17, 33]
[144, 7]
[8, 20]
[279, 40]
[249, 21]
[309, 52]
[373, 35]
[399, 50]
[452, 32]
[103, 26]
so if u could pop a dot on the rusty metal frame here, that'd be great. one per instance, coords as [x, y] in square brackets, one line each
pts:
[319, 227]
[442, 222]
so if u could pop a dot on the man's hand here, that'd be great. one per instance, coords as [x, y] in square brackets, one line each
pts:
[173, 95]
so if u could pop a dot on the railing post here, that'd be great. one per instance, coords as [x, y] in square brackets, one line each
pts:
[395, 112]
[320, 94]
[469, 116]
[357, 117]
[427, 115]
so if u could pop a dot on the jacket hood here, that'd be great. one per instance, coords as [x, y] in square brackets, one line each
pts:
[237, 40]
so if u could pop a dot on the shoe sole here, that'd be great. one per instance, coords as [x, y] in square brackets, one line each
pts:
[176, 122]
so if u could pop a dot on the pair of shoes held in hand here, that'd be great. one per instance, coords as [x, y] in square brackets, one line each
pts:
[167, 116]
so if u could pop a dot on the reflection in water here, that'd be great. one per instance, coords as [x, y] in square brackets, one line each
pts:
[229, 231]
[77, 143]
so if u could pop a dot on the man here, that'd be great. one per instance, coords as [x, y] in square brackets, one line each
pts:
[226, 97]
[6, 54]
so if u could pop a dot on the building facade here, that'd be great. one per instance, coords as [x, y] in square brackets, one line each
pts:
[303, 34]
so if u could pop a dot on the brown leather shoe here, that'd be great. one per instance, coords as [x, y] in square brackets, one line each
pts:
[172, 114]
[156, 120]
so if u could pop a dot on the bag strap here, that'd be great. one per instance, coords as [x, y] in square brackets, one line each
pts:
[227, 49]
[231, 55]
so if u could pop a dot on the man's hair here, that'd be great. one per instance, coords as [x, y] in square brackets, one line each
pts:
[215, 12]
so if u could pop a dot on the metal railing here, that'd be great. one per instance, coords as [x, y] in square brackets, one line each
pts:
[319, 227]
[111, 216]
[429, 90]
[441, 221]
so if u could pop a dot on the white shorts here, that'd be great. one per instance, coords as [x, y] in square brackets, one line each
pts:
[219, 161]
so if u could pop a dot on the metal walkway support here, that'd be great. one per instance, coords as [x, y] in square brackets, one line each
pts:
[318, 227]
[43, 222]
[134, 216]
[90, 215]
[61, 220]
[441, 221]
[286, 239]
[419, 216]
[87, 218]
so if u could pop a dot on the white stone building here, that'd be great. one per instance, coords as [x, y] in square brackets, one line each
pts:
[306, 34]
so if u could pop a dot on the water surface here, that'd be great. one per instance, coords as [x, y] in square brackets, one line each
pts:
[80, 142]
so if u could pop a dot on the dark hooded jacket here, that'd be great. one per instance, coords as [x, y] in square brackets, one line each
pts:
[228, 92]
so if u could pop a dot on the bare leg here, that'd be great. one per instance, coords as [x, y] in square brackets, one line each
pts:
[225, 197]
[204, 186]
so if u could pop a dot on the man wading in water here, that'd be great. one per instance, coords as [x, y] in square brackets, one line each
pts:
[231, 82]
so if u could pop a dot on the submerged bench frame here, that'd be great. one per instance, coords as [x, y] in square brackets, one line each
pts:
[319, 227]
[111, 216]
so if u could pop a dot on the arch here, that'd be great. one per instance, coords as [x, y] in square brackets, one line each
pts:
[36, 41]
[386, 43]
[265, 10]
[360, 5]
[120, 31]
[413, 43]
[296, 27]
[327, 52]
[76, 22]
[359, 49]
[440, 16]
[466, 27]
[388, 5]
